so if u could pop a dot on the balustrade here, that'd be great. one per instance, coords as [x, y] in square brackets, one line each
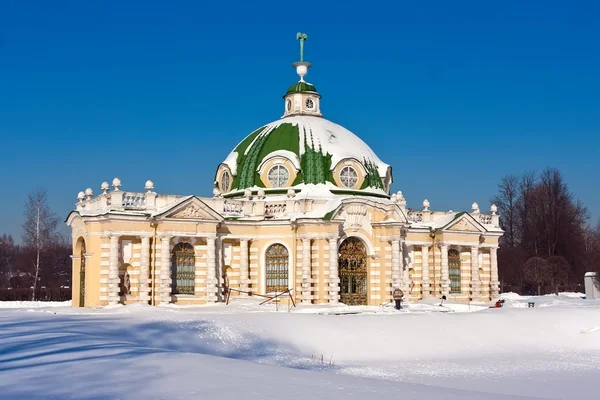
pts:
[415, 216]
[233, 208]
[274, 209]
[134, 201]
[485, 219]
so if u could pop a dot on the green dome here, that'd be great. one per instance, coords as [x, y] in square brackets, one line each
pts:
[301, 87]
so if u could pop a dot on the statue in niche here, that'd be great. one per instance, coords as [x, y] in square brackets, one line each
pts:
[126, 284]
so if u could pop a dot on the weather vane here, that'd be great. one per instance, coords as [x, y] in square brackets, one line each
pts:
[302, 37]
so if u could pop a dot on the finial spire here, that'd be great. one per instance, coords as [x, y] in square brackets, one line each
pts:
[302, 37]
[301, 66]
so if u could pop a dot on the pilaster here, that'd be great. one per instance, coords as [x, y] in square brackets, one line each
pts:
[144, 270]
[396, 263]
[211, 269]
[306, 271]
[334, 280]
[113, 271]
[494, 284]
[475, 281]
[409, 264]
[219, 266]
[445, 274]
[244, 272]
[165, 270]
[425, 282]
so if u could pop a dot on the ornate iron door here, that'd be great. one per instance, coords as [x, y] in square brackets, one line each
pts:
[352, 265]
[82, 276]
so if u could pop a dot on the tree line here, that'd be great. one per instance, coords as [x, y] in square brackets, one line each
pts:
[548, 243]
[40, 267]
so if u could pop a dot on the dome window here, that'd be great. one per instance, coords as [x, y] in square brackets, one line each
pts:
[225, 181]
[278, 176]
[348, 177]
[310, 104]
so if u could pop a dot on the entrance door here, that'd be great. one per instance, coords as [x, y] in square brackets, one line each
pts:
[82, 276]
[352, 265]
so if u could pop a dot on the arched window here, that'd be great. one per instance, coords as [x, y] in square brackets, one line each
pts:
[183, 269]
[349, 177]
[278, 176]
[454, 270]
[225, 180]
[277, 261]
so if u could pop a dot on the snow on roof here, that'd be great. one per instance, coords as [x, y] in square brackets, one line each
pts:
[281, 153]
[334, 139]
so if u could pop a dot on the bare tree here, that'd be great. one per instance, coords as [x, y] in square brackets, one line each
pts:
[39, 229]
[537, 271]
[7, 256]
[559, 267]
[506, 201]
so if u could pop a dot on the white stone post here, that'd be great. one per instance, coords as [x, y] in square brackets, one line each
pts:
[165, 270]
[144, 270]
[445, 275]
[113, 271]
[244, 266]
[334, 280]
[495, 285]
[211, 269]
[425, 282]
[306, 271]
[396, 262]
[475, 282]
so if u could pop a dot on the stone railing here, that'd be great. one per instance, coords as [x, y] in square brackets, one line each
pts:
[134, 201]
[275, 209]
[233, 208]
[415, 216]
[485, 219]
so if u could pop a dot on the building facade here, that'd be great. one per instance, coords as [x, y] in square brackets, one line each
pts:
[301, 204]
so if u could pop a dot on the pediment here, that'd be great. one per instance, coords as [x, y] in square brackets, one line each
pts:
[464, 223]
[359, 214]
[191, 209]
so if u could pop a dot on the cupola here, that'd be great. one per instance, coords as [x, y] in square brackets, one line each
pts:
[302, 98]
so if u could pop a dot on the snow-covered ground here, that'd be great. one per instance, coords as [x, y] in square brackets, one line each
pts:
[247, 351]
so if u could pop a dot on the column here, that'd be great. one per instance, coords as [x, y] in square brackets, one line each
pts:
[144, 270]
[244, 266]
[425, 282]
[334, 281]
[445, 275]
[113, 271]
[219, 266]
[494, 290]
[407, 266]
[396, 260]
[475, 282]
[165, 270]
[306, 271]
[211, 269]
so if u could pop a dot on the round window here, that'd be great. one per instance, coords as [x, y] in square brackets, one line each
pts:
[349, 177]
[310, 104]
[225, 181]
[288, 104]
[278, 176]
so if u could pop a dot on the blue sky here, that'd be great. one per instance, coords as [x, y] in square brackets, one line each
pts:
[453, 95]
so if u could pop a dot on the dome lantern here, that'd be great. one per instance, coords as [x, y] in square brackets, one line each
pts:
[302, 98]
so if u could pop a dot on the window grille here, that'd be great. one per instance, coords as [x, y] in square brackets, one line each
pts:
[183, 269]
[277, 260]
[454, 270]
